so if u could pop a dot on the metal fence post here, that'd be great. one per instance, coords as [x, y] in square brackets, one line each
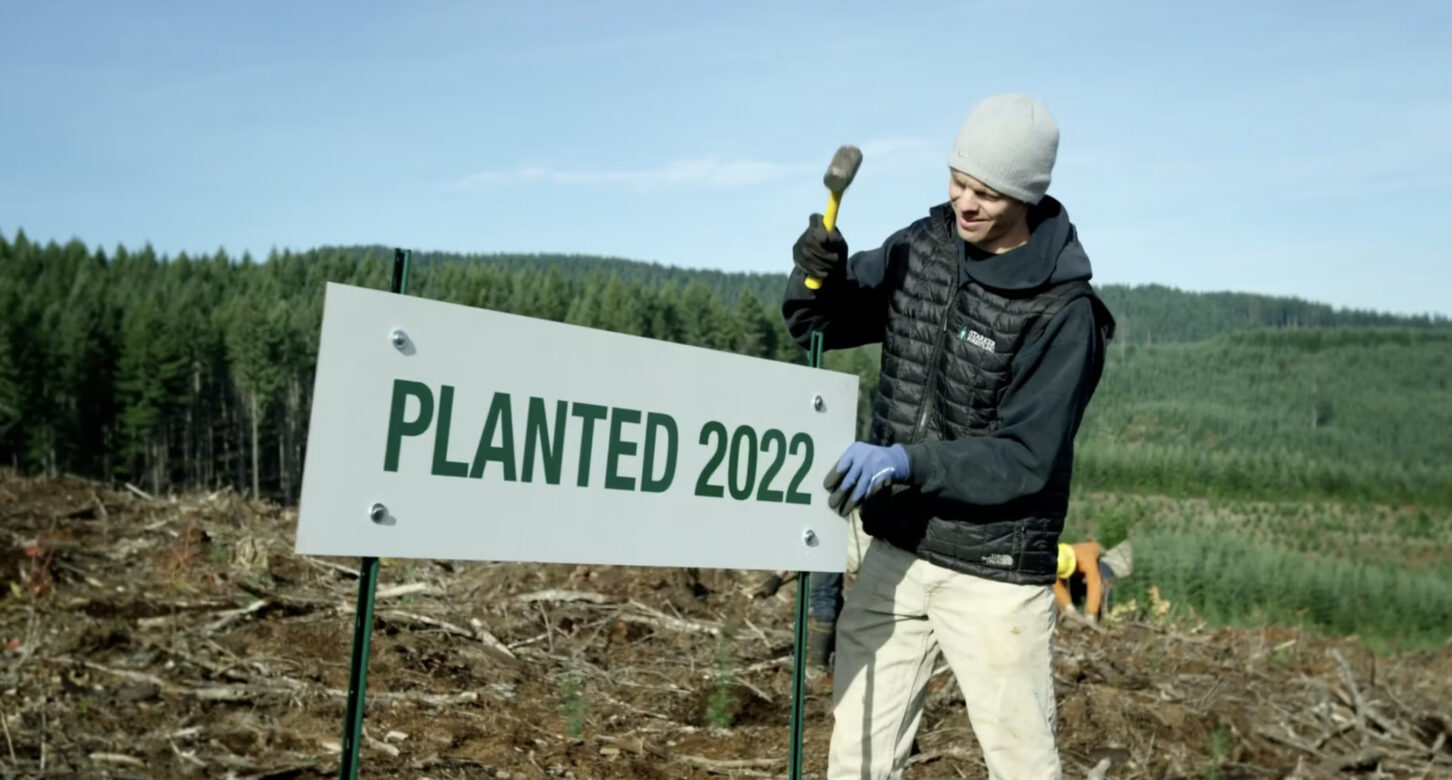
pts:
[363, 618]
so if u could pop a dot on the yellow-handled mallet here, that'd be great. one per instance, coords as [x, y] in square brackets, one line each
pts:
[839, 174]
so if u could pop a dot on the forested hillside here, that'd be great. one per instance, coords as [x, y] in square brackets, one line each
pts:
[184, 372]
[197, 371]
[1147, 314]
[1286, 414]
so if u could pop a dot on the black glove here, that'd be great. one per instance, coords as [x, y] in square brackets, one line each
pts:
[818, 253]
[770, 586]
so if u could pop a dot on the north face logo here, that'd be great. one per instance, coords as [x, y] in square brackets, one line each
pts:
[976, 339]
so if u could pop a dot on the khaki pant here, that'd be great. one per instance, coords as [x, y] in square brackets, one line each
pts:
[900, 613]
[858, 541]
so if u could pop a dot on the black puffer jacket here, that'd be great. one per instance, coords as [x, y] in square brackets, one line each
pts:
[988, 363]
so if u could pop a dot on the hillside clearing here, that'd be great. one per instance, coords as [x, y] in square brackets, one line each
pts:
[181, 637]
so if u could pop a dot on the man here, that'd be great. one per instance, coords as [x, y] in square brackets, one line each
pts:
[992, 345]
[1086, 576]
[1079, 569]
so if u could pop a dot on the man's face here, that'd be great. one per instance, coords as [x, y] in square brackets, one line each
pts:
[986, 219]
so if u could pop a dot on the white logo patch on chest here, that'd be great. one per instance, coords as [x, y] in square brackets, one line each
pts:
[977, 339]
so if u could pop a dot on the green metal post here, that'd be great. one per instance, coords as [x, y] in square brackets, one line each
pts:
[799, 687]
[363, 619]
[799, 666]
[358, 670]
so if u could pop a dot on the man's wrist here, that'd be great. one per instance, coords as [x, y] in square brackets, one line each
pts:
[913, 455]
[901, 463]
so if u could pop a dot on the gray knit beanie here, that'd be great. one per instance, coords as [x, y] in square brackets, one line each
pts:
[1009, 142]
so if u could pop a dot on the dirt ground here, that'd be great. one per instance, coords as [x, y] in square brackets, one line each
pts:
[181, 637]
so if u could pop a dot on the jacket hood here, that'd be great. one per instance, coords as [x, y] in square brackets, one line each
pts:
[1053, 254]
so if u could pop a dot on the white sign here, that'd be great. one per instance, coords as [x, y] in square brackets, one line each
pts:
[447, 431]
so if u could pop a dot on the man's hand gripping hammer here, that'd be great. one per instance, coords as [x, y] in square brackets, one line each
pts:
[839, 175]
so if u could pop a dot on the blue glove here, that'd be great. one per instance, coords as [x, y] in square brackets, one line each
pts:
[864, 470]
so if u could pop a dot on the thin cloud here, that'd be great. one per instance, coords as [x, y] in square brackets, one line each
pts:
[897, 155]
[898, 147]
[710, 172]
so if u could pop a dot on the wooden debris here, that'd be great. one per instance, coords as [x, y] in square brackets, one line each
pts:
[329, 565]
[9, 745]
[139, 493]
[188, 756]
[726, 765]
[381, 746]
[116, 758]
[423, 621]
[657, 619]
[410, 589]
[216, 671]
[556, 596]
[230, 617]
[490, 642]
[1362, 761]
[431, 699]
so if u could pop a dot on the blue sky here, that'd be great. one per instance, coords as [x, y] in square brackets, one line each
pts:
[1288, 148]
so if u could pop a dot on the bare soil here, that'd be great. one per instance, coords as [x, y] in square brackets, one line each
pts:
[180, 636]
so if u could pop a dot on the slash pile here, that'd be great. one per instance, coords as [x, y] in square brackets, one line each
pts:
[179, 636]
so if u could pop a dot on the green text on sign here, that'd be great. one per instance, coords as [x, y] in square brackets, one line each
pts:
[641, 447]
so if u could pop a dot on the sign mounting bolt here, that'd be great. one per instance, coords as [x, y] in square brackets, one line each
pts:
[377, 513]
[398, 337]
[809, 537]
[818, 403]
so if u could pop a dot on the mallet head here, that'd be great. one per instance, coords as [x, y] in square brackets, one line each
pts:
[843, 167]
